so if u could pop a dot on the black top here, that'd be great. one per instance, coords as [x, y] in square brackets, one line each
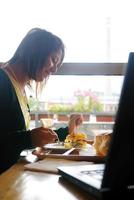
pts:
[13, 135]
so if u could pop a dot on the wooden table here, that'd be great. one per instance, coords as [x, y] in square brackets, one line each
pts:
[18, 184]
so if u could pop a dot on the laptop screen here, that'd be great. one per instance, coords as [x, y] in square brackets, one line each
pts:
[119, 169]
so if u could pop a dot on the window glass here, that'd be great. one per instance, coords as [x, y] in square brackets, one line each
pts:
[91, 94]
[68, 89]
[96, 97]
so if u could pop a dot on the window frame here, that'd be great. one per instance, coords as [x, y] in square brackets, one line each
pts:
[92, 69]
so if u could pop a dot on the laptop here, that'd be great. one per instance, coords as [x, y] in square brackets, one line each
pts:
[116, 175]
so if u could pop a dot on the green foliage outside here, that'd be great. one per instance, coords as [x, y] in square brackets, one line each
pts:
[85, 102]
[60, 108]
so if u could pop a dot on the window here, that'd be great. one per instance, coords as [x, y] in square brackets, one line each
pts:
[102, 91]
[96, 97]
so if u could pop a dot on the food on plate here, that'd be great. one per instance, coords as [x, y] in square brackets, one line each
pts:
[101, 143]
[75, 140]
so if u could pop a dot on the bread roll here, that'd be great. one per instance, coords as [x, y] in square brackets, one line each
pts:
[101, 143]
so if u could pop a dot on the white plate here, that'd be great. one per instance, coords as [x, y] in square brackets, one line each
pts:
[55, 146]
[60, 146]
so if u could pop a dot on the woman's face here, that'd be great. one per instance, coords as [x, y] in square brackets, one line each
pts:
[51, 66]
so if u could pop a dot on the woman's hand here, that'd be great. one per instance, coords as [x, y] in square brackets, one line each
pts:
[41, 136]
[75, 121]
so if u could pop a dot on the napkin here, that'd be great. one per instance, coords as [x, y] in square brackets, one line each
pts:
[49, 165]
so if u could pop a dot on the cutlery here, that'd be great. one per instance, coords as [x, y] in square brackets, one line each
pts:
[68, 151]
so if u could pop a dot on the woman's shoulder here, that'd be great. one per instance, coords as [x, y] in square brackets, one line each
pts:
[4, 80]
[3, 73]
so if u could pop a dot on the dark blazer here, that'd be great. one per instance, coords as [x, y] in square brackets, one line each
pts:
[13, 135]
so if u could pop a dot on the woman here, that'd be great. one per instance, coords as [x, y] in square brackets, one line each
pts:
[39, 55]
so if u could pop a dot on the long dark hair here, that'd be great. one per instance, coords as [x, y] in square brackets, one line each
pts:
[34, 49]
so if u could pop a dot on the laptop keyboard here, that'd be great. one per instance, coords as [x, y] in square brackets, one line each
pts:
[98, 174]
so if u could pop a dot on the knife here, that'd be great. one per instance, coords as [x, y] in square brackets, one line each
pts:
[68, 151]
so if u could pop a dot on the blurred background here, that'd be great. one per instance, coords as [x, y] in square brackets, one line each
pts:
[98, 36]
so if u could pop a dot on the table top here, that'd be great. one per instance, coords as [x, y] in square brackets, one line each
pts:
[19, 184]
